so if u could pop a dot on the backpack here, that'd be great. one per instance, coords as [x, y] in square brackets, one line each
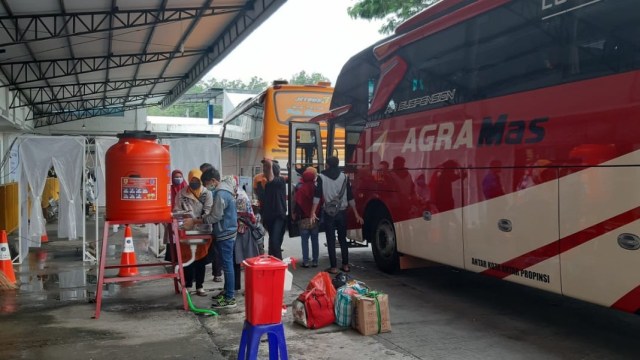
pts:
[332, 207]
[313, 309]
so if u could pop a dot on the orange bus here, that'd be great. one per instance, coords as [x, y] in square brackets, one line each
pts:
[259, 127]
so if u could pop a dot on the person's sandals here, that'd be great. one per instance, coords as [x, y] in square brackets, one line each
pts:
[332, 270]
[346, 268]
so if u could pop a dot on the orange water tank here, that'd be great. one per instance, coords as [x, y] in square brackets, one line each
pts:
[138, 179]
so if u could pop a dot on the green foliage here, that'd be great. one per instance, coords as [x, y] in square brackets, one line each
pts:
[302, 78]
[394, 12]
[200, 110]
[255, 84]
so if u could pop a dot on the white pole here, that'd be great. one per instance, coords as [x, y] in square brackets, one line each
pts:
[84, 199]
[19, 216]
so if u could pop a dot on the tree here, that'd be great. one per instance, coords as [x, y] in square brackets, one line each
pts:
[302, 78]
[200, 110]
[393, 11]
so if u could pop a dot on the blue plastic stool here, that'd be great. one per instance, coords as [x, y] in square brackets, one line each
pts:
[250, 340]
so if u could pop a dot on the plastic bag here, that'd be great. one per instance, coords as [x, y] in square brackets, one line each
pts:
[344, 301]
[322, 281]
[340, 280]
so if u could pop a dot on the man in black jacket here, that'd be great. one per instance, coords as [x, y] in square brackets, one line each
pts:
[274, 208]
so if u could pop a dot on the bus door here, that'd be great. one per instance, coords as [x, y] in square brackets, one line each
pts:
[342, 142]
[305, 150]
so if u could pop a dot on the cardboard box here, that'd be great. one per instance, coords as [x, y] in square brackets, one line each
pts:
[365, 314]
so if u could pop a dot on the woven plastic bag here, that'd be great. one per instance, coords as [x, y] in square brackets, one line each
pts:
[344, 301]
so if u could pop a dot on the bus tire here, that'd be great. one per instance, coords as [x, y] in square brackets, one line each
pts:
[384, 246]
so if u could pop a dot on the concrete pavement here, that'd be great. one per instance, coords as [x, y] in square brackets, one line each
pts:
[436, 313]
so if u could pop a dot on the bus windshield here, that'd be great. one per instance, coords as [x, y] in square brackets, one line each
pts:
[290, 105]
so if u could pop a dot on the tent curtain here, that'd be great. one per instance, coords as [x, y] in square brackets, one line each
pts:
[70, 166]
[37, 155]
[190, 153]
[102, 145]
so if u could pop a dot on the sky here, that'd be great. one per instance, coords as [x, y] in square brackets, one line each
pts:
[310, 35]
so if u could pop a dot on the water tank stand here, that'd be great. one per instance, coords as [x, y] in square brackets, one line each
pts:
[176, 261]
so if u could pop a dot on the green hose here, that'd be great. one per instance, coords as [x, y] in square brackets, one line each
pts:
[197, 310]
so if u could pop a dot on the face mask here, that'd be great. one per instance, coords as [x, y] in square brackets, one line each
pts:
[211, 187]
[194, 185]
[177, 181]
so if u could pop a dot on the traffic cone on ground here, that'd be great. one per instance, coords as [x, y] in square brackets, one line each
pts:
[7, 276]
[128, 255]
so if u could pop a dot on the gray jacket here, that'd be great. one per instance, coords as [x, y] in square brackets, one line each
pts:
[199, 208]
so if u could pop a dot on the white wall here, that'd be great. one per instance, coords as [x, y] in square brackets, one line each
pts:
[101, 125]
[12, 120]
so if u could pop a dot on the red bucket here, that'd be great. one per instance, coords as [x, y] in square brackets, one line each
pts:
[264, 287]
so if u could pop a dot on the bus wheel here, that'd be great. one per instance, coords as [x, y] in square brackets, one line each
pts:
[385, 251]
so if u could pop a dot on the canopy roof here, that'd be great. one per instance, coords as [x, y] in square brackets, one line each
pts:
[73, 59]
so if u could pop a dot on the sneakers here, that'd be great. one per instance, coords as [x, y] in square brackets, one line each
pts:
[314, 264]
[224, 303]
[201, 292]
[217, 279]
[305, 264]
[218, 297]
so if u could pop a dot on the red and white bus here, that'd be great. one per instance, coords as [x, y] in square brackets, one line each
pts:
[502, 137]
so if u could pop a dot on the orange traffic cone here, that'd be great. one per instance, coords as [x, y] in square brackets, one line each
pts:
[128, 255]
[7, 276]
[44, 238]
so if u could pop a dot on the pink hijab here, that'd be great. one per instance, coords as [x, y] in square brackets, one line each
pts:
[175, 189]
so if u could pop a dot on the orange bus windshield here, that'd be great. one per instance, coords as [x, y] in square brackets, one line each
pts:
[300, 104]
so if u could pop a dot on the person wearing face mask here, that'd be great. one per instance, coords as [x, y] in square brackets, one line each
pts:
[196, 199]
[177, 184]
[214, 256]
[224, 218]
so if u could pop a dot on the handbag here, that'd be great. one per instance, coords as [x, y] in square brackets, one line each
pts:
[306, 224]
[257, 231]
[313, 309]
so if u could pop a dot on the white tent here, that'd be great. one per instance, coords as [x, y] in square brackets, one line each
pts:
[102, 145]
[37, 154]
[190, 153]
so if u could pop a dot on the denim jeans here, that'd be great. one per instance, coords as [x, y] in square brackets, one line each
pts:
[276, 228]
[226, 250]
[331, 224]
[305, 234]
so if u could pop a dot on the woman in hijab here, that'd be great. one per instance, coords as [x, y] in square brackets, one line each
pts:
[308, 229]
[177, 184]
[196, 199]
[245, 246]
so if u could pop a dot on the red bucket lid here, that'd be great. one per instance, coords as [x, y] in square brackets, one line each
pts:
[265, 261]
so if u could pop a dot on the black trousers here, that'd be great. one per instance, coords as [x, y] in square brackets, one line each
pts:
[195, 271]
[331, 225]
[276, 228]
